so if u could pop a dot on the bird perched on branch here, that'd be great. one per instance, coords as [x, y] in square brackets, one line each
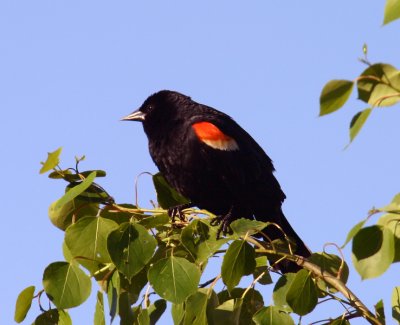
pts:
[209, 159]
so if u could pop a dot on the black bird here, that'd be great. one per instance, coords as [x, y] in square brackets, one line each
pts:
[209, 159]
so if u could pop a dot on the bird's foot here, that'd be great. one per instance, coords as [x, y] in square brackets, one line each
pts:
[177, 211]
[223, 222]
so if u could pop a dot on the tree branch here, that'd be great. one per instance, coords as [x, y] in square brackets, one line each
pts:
[327, 277]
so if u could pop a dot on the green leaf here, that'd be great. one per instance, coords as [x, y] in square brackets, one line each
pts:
[354, 231]
[23, 304]
[134, 285]
[391, 221]
[87, 241]
[53, 316]
[392, 11]
[334, 94]
[252, 301]
[118, 216]
[201, 240]
[52, 161]
[302, 295]
[262, 268]
[379, 85]
[93, 194]
[66, 285]
[178, 312]
[280, 291]
[239, 260]
[271, 315]
[373, 251]
[143, 318]
[357, 122]
[380, 311]
[99, 318]
[71, 211]
[69, 177]
[126, 314]
[228, 312]
[167, 197]
[75, 191]
[113, 292]
[244, 226]
[393, 206]
[196, 309]
[174, 278]
[131, 248]
[156, 310]
[155, 221]
[396, 304]
[330, 263]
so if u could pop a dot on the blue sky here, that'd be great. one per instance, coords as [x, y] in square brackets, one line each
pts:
[70, 70]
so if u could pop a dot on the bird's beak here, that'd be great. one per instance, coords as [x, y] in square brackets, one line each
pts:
[135, 116]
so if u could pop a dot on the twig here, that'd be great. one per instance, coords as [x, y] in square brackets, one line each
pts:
[328, 278]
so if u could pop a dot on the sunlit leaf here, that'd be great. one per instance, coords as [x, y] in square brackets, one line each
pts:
[23, 304]
[53, 159]
[379, 85]
[70, 212]
[334, 95]
[99, 318]
[392, 11]
[391, 221]
[373, 251]
[354, 231]
[174, 278]
[358, 121]
[66, 285]
[302, 295]
[239, 260]
[393, 206]
[396, 304]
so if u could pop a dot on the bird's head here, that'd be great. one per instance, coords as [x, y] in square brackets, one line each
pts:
[163, 108]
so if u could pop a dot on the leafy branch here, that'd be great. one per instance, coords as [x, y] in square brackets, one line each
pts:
[135, 252]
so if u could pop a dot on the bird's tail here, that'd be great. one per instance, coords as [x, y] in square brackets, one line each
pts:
[298, 247]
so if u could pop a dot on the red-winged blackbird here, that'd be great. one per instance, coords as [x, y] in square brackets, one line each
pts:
[209, 159]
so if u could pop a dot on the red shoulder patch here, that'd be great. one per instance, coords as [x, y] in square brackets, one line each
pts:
[211, 135]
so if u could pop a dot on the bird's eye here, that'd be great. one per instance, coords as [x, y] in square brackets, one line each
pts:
[149, 108]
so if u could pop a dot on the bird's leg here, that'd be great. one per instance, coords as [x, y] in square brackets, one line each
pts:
[178, 211]
[224, 221]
